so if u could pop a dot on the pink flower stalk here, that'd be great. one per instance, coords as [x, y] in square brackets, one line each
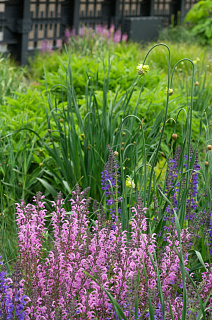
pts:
[46, 46]
[59, 43]
[117, 36]
[112, 29]
[73, 32]
[108, 34]
[82, 32]
[124, 37]
[68, 34]
[101, 30]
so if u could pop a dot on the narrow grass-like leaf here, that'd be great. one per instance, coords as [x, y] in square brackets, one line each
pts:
[115, 304]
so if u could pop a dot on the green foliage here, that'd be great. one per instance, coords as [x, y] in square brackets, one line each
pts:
[13, 78]
[177, 34]
[55, 132]
[57, 123]
[200, 21]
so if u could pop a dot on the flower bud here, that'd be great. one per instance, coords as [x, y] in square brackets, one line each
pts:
[171, 91]
[196, 83]
[61, 120]
[206, 163]
[174, 136]
[116, 153]
[209, 147]
[82, 136]
[122, 149]
[142, 69]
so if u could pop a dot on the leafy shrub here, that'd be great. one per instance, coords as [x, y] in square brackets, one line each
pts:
[200, 21]
[177, 34]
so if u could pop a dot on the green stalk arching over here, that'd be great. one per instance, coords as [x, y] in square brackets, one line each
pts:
[182, 208]
[165, 118]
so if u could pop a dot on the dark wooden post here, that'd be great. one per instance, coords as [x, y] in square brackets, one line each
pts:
[175, 8]
[17, 27]
[76, 21]
[117, 13]
[109, 11]
[145, 8]
[24, 28]
[69, 15]
[182, 10]
[152, 9]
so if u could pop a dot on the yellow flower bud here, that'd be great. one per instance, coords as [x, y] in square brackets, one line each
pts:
[171, 91]
[142, 69]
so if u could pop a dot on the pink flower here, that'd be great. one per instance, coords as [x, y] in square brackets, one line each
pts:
[117, 36]
[59, 43]
[124, 37]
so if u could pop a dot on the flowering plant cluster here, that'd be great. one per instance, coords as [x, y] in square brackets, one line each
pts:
[58, 286]
[101, 31]
[55, 283]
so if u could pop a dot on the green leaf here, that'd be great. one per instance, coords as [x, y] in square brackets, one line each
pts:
[48, 187]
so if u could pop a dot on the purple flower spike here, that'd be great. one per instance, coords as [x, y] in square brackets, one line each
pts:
[110, 183]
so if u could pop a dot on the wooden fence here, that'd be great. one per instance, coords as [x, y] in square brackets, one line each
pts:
[24, 24]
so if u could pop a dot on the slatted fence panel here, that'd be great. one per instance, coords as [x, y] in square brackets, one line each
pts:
[25, 24]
